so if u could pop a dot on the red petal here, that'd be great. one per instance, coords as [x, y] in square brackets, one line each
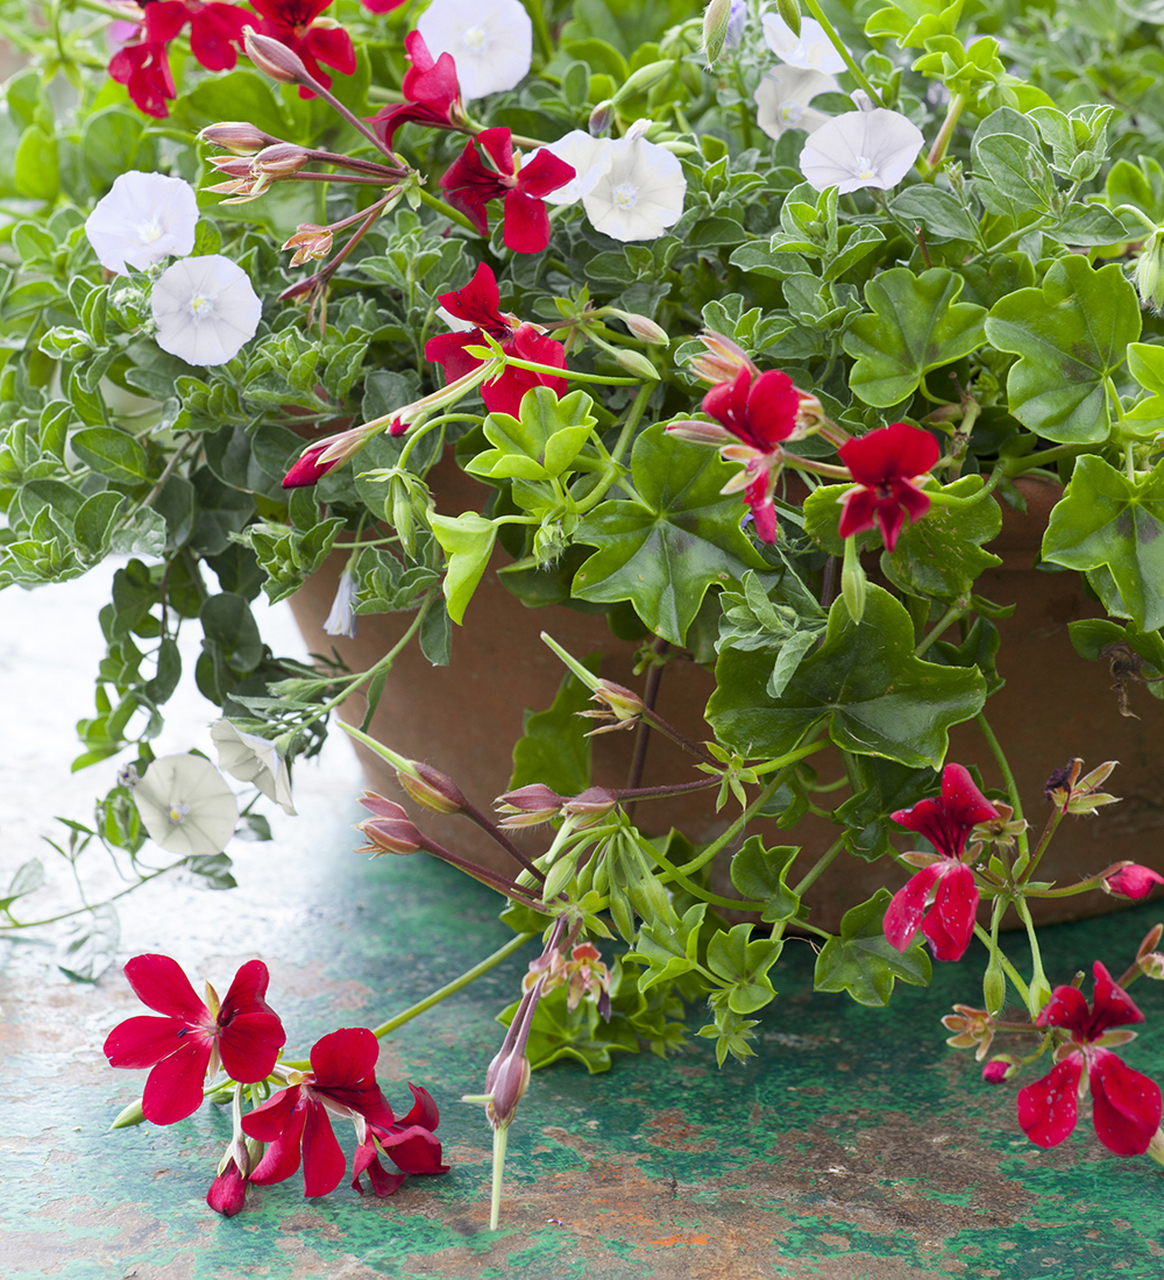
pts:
[1133, 881]
[280, 1123]
[772, 405]
[965, 805]
[323, 1161]
[164, 20]
[424, 1110]
[174, 1088]
[858, 512]
[158, 981]
[307, 469]
[479, 303]
[414, 1149]
[1126, 1105]
[271, 1118]
[366, 1160]
[949, 925]
[432, 83]
[228, 1192]
[498, 146]
[527, 223]
[448, 350]
[890, 453]
[332, 45]
[344, 1058]
[904, 915]
[250, 1046]
[143, 1042]
[543, 174]
[1048, 1109]
[763, 511]
[727, 402]
[1111, 1006]
[214, 32]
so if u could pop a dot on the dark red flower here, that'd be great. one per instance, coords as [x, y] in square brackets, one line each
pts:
[488, 170]
[886, 463]
[215, 28]
[244, 1033]
[292, 23]
[479, 304]
[942, 899]
[342, 1081]
[434, 96]
[228, 1192]
[1132, 881]
[1126, 1106]
[144, 69]
[408, 1143]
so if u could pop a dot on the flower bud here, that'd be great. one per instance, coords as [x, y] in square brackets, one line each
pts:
[999, 1069]
[529, 805]
[723, 361]
[600, 118]
[432, 789]
[1148, 272]
[716, 17]
[307, 470]
[390, 831]
[637, 365]
[994, 987]
[275, 60]
[1130, 880]
[1151, 940]
[238, 136]
[853, 582]
[645, 78]
[130, 1116]
[789, 11]
[643, 328]
[591, 804]
[1152, 965]
[280, 160]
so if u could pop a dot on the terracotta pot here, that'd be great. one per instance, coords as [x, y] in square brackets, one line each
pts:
[464, 718]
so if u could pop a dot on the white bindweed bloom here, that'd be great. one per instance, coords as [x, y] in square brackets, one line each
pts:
[186, 805]
[640, 194]
[861, 149]
[783, 96]
[144, 218]
[255, 760]
[205, 309]
[811, 49]
[588, 157]
[341, 621]
[491, 42]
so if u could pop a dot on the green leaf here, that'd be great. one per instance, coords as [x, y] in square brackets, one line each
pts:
[1072, 335]
[744, 964]
[877, 698]
[664, 552]
[109, 143]
[917, 325]
[758, 873]
[1110, 526]
[145, 537]
[228, 623]
[558, 1032]
[35, 169]
[541, 444]
[863, 962]
[213, 870]
[112, 453]
[554, 749]
[240, 95]
[668, 951]
[467, 540]
[889, 786]
[941, 213]
[941, 556]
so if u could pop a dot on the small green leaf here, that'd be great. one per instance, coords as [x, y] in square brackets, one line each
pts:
[35, 168]
[758, 873]
[863, 962]
[541, 444]
[112, 453]
[467, 540]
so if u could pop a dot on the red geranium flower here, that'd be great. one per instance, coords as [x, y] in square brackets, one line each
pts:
[144, 69]
[479, 304]
[886, 464]
[292, 22]
[189, 1041]
[488, 170]
[434, 96]
[942, 899]
[215, 28]
[1130, 880]
[1126, 1106]
[342, 1081]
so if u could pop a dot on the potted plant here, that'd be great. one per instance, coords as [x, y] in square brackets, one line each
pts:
[748, 348]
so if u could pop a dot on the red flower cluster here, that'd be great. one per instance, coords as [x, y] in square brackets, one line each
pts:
[431, 89]
[488, 170]
[479, 304]
[245, 1035]
[942, 899]
[1126, 1105]
[886, 464]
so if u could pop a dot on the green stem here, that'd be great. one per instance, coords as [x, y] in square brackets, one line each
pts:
[1039, 986]
[1008, 778]
[575, 375]
[451, 988]
[1007, 967]
[454, 215]
[385, 663]
[66, 915]
[942, 141]
[1044, 840]
[952, 614]
[537, 13]
[819, 14]
[674, 874]
[821, 863]
[499, 1141]
[610, 475]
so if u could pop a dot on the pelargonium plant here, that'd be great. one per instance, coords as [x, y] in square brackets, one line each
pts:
[751, 325]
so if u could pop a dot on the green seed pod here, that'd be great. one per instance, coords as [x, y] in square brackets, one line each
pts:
[789, 10]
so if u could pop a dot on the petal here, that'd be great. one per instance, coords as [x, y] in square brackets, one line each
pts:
[143, 1042]
[268, 1120]
[527, 223]
[448, 350]
[344, 1058]
[250, 1046]
[158, 981]
[424, 1110]
[889, 453]
[905, 912]
[1066, 1008]
[174, 1088]
[323, 1161]
[164, 20]
[962, 800]
[1111, 1006]
[772, 405]
[950, 923]
[280, 1124]
[1048, 1109]
[858, 513]
[497, 144]
[544, 172]
[334, 46]
[1126, 1105]
[414, 1149]
[367, 1160]
[479, 303]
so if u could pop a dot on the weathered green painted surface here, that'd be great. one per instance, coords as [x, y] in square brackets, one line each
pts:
[859, 1145]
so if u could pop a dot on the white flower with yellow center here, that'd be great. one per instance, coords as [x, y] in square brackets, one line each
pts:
[144, 218]
[186, 805]
[640, 193]
[205, 309]
[874, 148]
[811, 49]
[783, 96]
[491, 42]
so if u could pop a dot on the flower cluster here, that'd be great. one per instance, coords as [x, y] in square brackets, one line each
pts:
[242, 1034]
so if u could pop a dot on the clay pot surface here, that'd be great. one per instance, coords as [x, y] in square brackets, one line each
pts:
[465, 718]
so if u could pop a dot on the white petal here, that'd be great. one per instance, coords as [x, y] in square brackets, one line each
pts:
[186, 805]
[861, 149]
[782, 99]
[641, 193]
[205, 309]
[588, 157]
[491, 41]
[144, 218]
[811, 49]
[253, 759]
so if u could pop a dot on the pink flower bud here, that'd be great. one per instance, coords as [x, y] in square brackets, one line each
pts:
[237, 136]
[307, 470]
[274, 59]
[998, 1069]
[1130, 880]
[432, 789]
[529, 805]
[280, 160]
[390, 831]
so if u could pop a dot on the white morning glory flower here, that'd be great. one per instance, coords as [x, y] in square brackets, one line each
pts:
[782, 99]
[588, 157]
[255, 760]
[341, 621]
[861, 149]
[144, 218]
[205, 309]
[640, 194]
[491, 42]
[186, 805]
[811, 49]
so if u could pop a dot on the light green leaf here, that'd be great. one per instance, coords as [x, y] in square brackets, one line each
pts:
[467, 540]
[863, 962]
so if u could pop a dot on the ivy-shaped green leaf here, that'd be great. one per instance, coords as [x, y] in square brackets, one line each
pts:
[732, 957]
[863, 962]
[917, 325]
[467, 540]
[1072, 335]
[889, 786]
[758, 873]
[663, 552]
[877, 698]
[541, 444]
[1112, 528]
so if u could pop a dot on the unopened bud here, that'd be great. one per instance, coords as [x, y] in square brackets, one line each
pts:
[645, 78]
[130, 1116]
[624, 703]
[593, 803]
[637, 365]
[1151, 940]
[994, 987]
[999, 1069]
[274, 59]
[789, 11]
[722, 361]
[280, 160]
[853, 582]
[237, 136]
[1152, 965]
[432, 789]
[716, 17]
[600, 118]
[1148, 272]
[390, 831]
[529, 805]
[643, 328]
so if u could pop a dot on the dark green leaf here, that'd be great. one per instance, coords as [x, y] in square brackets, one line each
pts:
[863, 962]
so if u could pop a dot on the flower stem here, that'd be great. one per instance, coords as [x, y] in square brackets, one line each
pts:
[1008, 778]
[537, 13]
[575, 375]
[819, 14]
[942, 141]
[454, 215]
[952, 614]
[1007, 967]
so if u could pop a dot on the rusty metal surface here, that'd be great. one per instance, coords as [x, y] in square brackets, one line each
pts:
[856, 1147]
